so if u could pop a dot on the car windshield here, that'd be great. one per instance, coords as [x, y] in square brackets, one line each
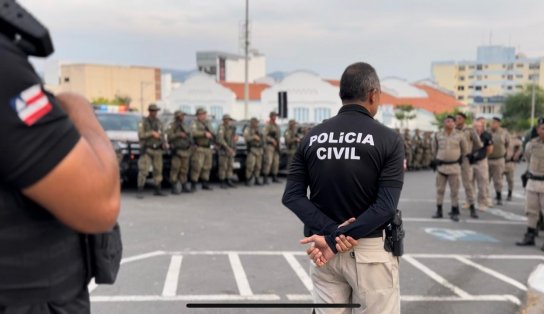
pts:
[119, 122]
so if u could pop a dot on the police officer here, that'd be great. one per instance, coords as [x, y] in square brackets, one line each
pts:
[254, 141]
[480, 165]
[467, 174]
[449, 147]
[292, 139]
[59, 178]
[152, 144]
[513, 155]
[501, 140]
[201, 161]
[226, 140]
[179, 139]
[272, 135]
[534, 154]
[353, 166]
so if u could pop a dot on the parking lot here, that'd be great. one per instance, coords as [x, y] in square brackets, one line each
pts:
[241, 245]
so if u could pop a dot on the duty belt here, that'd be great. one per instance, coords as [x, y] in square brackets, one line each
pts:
[533, 177]
[155, 146]
[495, 158]
[443, 162]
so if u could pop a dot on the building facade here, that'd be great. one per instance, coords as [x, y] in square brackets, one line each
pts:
[230, 67]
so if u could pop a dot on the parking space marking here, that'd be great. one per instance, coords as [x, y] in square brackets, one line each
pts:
[196, 297]
[492, 297]
[493, 273]
[299, 270]
[472, 221]
[172, 277]
[240, 275]
[436, 277]
[477, 256]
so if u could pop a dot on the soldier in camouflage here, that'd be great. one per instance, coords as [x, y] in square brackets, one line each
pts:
[179, 139]
[427, 150]
[254, 141]
[152, 145]
[417, 149]
[272, 135]
[226, 142]
[408, 149]
[292, 139]
[201, 161]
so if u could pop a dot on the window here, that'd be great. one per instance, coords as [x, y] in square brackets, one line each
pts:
[479, 67]
[485, 76]
[460, 97]
[479, 77]
[519, 76]
[471, 87]
[533, 77]
[66, 79]
[478, 88]
[510, 77]
[461, 68]
[471, 67]
[460, 88]
[461, 78]
[519, 87]
[216, 111]
[510, 67]
[186, 109]
[519, 65]
[470, 77]
[534, 66]
[485, 66]
[301, 114]
[321, 114]
[509, 87]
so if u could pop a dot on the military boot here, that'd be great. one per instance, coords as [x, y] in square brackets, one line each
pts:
[186, 188]
[265, 180]
[206, 186]
[499, 198]
[176, 188]
[509, 196]
[223, 184]
[528, 238]
[473, 212]
[193, 186]
[230, 184]
[140, 193]
[258, 182]
[249, 181]
[438, 212]
[158, 191]
[454, 213]
[275, 179]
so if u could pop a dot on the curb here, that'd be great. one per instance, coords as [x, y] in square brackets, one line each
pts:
[535, 292]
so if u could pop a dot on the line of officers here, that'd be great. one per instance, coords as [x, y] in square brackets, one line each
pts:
[192, 154]
[475, 156]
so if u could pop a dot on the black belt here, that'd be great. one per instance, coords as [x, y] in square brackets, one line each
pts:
[533, 177]
[496, 158]
[443, 162]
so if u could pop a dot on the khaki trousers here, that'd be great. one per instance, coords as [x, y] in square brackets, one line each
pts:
[226, 163]
[201, 164]
[496, 170]
[467, 175]
[253, 163]
[453, 181]
[481, 181]
[271, 161]
[367, 275]
[509, 170]
[151, 158]
[533, 206]
[180, 166]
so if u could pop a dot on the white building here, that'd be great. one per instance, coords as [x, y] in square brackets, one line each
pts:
[230, 67]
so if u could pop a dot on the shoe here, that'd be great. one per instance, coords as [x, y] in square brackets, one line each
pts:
[249, 181]
[223, 185]
[186, 188]
[499, 198]
[193, 186]
[473, 212]
[509, 196]
[258, 182]
[528, 238]
[140, 193]
[207, 187]
[176, 188]
[158, 191]
[438, 213]
[275, 179]
[265, 180]
[230, 184]
[454, 215]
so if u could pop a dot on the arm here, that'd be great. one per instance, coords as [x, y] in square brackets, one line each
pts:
[84, 198]
[196, 131]
[220, 139]
[171, 132]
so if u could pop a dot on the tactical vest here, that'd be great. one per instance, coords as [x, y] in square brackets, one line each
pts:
[41, 259]
[180, 142]
[152, 125]
[536, 164]
[202, 141]
[254, 143]
[293, 144]
[499, 141]
[228, 135]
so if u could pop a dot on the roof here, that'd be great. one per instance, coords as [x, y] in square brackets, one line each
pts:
[255, 89]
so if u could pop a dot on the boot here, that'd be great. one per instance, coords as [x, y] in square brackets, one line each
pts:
[206, 186]
[186, 188]
[249, 180]
[158, 191]
[230, 184]
[499, 198]
[438, 212]
[454, 213]
[193, 186]
[509, 196]
[258, 182]
[528, 238]
[140, 193]
[176, 188]
[265, 180]
[473, 212]
[275, 179]
[223, 184]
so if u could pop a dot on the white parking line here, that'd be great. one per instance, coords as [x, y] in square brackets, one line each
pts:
[477, 256]
[210, 297]
[142, 256]
[493, 273]
[436, 277]
[172, 277]
[299, 270]
[492, 297]
[472, 221]
[240, 275]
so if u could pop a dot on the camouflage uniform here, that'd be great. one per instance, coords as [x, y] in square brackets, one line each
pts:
[151, 150]
[227, 148]
[271, 133]
[201, 161]
[496, 160]
[448, 149]
[254, 141]
[467, 173]
[179, 139]
[427, 150]
[292, 139]
[408, 149]
[512, 156]
[418, 150]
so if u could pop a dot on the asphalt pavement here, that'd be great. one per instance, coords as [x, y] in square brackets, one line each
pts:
[241, 246]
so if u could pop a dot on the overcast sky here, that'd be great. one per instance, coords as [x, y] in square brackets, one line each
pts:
[399, 37]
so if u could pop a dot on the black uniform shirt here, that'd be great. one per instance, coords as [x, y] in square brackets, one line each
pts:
[352, 164]
[487, 139]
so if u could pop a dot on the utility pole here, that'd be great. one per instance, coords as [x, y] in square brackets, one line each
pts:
[533, 101]
[246, 62]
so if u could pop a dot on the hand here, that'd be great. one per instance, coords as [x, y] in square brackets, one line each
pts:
[256, 137]
[208, 135]
[183, 134]
[347, 222]
[155, 134]
[274, 143]
[319, 252]
[344, 244]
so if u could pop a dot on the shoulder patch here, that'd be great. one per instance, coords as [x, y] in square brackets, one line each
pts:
[31, 104]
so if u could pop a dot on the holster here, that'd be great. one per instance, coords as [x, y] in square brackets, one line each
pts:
[394, 235]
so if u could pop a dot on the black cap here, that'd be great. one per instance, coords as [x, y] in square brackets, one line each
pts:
[497, 119]
[449, 117]
[540, 120]
[462, 114]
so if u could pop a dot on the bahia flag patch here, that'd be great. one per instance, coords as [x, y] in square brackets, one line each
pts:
[31, 105]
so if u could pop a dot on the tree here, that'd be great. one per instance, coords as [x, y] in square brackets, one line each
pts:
[516, 109]
[101, 101]
[405, 113]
